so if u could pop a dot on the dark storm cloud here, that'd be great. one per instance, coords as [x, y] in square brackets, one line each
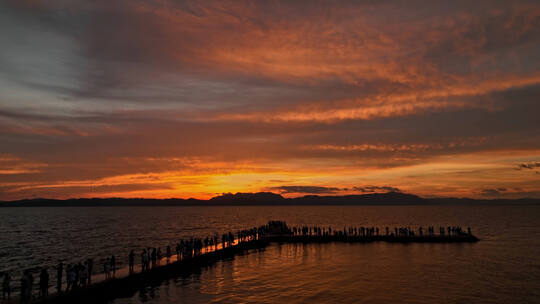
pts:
[376, 189]
[140, 133]
[307, 189]
[531, 165]
[87, 191]
[503, 193]
[127, 46]
[490, 192]
[332, 190]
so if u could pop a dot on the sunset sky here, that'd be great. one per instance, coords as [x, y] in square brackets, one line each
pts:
[186, 99]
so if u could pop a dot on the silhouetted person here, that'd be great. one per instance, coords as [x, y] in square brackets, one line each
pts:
[27, 281]
[83, 276]
[107, 268]
[71, 276]
[30, 284]
[44, 283]
[178, 248]
[113, 265]
[131, 259]
[168, 254]
[90, 266]
[81, 271]
[154, 257]
[68, 281]
[6, 286]
[147, 259]
[159, 255]
[144, 257]
[59, 270]
[78, 267]
[230, 238]
[469, 230]
[24, 286]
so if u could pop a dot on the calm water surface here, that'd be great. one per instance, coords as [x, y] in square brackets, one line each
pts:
[504, 267]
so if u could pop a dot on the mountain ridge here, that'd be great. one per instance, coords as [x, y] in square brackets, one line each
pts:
[269, 199]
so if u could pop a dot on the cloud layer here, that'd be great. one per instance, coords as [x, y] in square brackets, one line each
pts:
[185, 98]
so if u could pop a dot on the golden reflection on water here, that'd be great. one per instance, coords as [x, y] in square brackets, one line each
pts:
[504, 266]
[345, 273]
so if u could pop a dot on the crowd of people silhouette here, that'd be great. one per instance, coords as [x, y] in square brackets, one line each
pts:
[79, 275]
[374, 231]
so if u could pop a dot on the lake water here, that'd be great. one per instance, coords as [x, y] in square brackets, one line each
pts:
[504, 267]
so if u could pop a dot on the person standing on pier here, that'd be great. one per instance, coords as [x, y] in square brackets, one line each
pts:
[131, 260]
[143, 253]
[68, 281]
[147, 259]
[230, 238]
[90, 266]
[113, 265]
[177, 251]
[71, 276]
[77, 271]
[107, 268]
[154, 257]
[168, 254]
[6, 286]
[59, 270]
[83, 278]
[44, 283]
[30, 284]
[159, 255]
[24, 286]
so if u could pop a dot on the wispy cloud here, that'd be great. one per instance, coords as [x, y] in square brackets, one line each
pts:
[329, 95]
[376, 189]
[12, 165]
[530, 166]
[307, 189]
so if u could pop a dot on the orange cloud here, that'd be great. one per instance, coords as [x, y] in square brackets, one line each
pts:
[166, 98]
[10, 165]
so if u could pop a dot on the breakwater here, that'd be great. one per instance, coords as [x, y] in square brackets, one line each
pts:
[196, 254]
[127, 286]
[375, 238]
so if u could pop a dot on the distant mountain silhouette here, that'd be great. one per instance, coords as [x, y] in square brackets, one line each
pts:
[269, 199]
[389, 198]
[248, 198]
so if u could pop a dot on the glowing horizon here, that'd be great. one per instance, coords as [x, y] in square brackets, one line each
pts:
[161, 99]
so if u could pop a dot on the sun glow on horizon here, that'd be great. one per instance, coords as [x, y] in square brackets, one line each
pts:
[161, 99]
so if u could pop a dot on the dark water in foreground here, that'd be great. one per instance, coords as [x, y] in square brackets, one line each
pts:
[504, 267]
